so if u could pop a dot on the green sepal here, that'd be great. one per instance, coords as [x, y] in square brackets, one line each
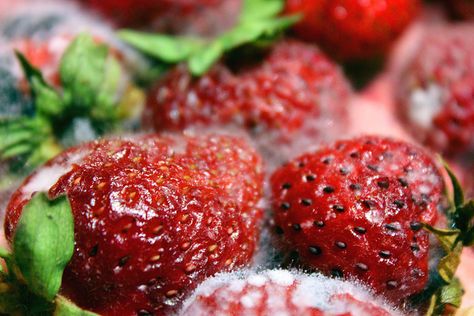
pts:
[446, 237]
[448, 264]
[27, 136]
[170, 49]
[458, 194]
[452, 293]
[43, 244]
[65, 307]
[253, 10]
[82, 70]
[258, 21]
[47, 101]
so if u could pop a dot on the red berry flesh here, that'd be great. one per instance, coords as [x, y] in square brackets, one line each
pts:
[295, 98]
[280, 292]
[354, 209]
[437, 90]
[353, 29]
[154, 216]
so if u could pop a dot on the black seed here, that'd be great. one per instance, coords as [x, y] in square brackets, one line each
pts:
[144, 312]
[373, 167]
[319, 224]
[392, 226]
[315, 250]
[399, 203]
[355, 186]
[360, 230]
[403, 182]
[338, 208]
[94, 251]
[327, 160]
[392, 284]
[328, 189]
[354, 155]
[306, 202]
[341, 245]
[384, 184]
[279, 230]
[296, 227]
[286, 186]
[362, 266]
[417, 273]
[385, 254]
[285, 206]
[310, 178]
[415, 226]
[123, 261]
[337, 273]
[344, 171]
[415, 247]
[301, 164]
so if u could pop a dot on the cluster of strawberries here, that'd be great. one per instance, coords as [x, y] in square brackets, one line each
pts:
[257, 141]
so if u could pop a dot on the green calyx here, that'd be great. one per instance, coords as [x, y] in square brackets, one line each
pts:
[89, 78]
[259, 21]
[459, 234]
[42, 246]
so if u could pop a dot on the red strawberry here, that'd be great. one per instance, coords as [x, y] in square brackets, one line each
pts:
[355, 208]
[437, 90]
[295, 97]
[199, 17]
[280, 292]
[153, 217]
[353, 29]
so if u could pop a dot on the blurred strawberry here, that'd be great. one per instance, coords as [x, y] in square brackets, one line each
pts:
[201, 17]
[355, 209]
[462, 8]
[153, 217]
[291, 99]
[437, 90]
[353, 29]
[280, 292]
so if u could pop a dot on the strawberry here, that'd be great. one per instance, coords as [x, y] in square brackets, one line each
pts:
[282, 292]
[462, 8]
[294, 97]
[153, 217]
[437, 90]
[355, 209]
[353, 29]
[203, 17]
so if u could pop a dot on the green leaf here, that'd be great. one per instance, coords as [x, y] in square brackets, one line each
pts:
[47, 101]
[64, 307]
[446, 237]
[253, 10]
[4, 253]
[105, 109]
[24, 136]
[170, 49]
[448, 264]
[43, 244]
[452, 293]
[258, 21]
[469, 238]
[458, 194]
[202, 61]
[82, 70]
